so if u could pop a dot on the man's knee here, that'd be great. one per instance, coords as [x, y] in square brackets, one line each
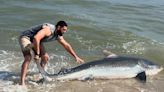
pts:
[44, 60]
[26, 62]
[45, 57]
[27, 58]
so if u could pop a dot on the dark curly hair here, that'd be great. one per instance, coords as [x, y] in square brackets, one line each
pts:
[61, 23]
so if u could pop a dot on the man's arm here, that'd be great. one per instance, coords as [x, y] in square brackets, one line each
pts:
[68, 47]
[37, 38]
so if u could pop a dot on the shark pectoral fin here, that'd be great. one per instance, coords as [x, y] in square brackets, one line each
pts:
[86, 77]
[141, 76]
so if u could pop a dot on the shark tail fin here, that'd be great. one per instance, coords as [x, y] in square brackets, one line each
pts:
[44, 74]
[141, 76]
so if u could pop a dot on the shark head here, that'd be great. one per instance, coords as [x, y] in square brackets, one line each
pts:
[150, 67]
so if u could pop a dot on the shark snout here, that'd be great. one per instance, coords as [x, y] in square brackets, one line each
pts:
[161, 68]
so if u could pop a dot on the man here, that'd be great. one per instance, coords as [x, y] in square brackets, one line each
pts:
[35, 37]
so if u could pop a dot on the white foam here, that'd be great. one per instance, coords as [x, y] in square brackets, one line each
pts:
[134, 47]
[15, 88]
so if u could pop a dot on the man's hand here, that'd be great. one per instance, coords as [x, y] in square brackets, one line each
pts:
[36, 58]
[79, 60]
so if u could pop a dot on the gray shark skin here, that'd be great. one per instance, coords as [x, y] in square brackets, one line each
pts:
[119, 67]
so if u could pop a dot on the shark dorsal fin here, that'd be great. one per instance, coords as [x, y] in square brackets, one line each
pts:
[109, 54]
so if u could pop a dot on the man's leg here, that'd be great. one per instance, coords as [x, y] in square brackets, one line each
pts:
[44, 60]
[24, 42]
[27, 59]
[44, 56]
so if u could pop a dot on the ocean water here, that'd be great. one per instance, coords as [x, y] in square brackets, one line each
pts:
[125, 27]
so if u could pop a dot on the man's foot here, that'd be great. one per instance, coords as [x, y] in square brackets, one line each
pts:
[22, 84]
